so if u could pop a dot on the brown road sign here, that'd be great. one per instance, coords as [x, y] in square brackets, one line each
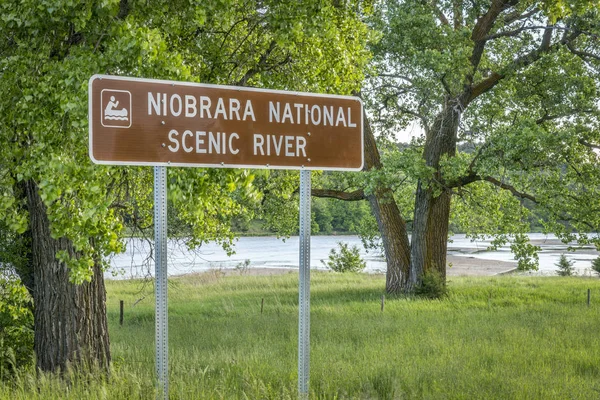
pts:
[151, 122]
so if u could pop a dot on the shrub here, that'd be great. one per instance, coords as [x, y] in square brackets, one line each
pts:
[16, 326]
[242, 267]
[596, 265]
[348, 259]
[565, 266]
[433, 286]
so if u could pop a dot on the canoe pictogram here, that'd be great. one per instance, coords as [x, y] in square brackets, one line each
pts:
[111, 111]
[116, 108]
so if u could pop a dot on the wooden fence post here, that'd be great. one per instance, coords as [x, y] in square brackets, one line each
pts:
[588, 297]
[120, 312]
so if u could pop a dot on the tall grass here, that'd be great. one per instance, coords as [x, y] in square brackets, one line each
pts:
[490, 338]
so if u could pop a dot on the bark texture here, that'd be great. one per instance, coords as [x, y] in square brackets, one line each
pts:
[392, 226]
[69, 320]
[432, 200]
[408, 262]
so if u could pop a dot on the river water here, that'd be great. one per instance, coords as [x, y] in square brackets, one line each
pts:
[271, 252]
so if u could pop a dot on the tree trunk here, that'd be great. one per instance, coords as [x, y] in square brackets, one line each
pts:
[407, 262]
[432, 201]
[392, 226]
[395, 240]
[69, 320]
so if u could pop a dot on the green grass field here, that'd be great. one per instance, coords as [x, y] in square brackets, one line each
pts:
[491, 338]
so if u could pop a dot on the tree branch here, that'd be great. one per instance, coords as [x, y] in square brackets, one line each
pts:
[571, 219]
[510, 188]
[582, 54]
[486, 22]
[588, 144]
[415, 114]
[482, 28]
[231, 28]
[475, 91]
[517, 16]
[260, 66]
[445, 85]
[123, 9]
[457, 10]
[477, 155]
[547, 38]
[438, 11]
[339, 194]
[514, 32]
[403, 77]
[473, 177]
[549, 117]
[483, 86]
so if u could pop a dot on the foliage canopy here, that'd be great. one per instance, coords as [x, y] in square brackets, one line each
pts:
[48, 52]
[520, 79]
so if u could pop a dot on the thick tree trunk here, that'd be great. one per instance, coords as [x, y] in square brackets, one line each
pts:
[430, 234]
[392, 226]
[69, 320]
[432, 201]
[394, 238]
[407, 262]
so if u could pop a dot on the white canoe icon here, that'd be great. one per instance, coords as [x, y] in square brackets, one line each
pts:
[111, 112]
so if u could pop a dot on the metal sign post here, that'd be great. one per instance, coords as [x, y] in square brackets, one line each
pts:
[304, 287]
[158, 123]
[160, 278]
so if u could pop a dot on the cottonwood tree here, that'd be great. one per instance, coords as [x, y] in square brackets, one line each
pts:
[66, 214]
[515, 84]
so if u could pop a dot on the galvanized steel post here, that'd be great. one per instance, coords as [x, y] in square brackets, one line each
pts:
[160, 278]
[304, 287]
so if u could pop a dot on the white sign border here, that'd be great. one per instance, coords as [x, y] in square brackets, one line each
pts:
[222, 87]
